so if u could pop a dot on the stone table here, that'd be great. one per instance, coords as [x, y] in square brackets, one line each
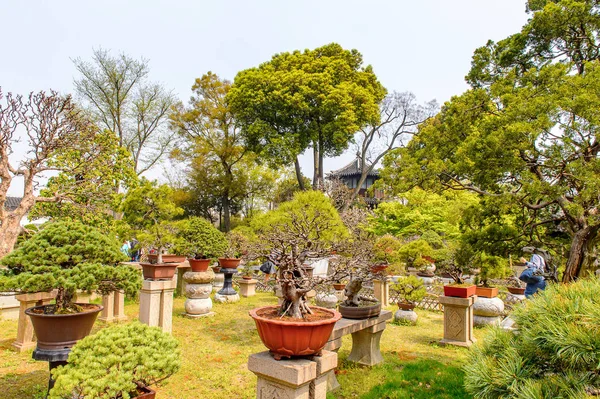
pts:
[458, 320]
[297, 378]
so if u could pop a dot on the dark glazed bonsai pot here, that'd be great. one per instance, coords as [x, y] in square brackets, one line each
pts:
[59, 331]
[360, 312]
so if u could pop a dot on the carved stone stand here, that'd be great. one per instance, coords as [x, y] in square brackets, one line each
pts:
[382, 291]
[227, 294]
[25, 339]
[114, 307]
[156, 303]
[248, 287]
[298, 378]
[198, 288]
[366, 335]
[458, 320]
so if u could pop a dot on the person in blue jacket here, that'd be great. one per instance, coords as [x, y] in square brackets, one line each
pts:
[532, 275]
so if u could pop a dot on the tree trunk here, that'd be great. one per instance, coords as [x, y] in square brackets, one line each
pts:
[226, 213]
[292, 304]
[299, 174]
[320, 178]
[9, 232]
[315, 182]
[580, 261]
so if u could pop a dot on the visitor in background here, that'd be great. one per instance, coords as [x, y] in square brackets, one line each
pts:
[135, 250]
[268, 268]
[532, 276]
[125, 248]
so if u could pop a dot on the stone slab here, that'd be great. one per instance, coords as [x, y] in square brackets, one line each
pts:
[293, 372]
[197, 316]
[450, 300]
[347, 326]
[159, 285]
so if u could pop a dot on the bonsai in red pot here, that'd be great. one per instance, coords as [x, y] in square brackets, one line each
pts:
[237, 246]
[490, 267]
[67, 256]
[456, 262]
[150, 210]
[116, 362]
[201, 241]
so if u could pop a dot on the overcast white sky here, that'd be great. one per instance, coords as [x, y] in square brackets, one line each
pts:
[423, 46]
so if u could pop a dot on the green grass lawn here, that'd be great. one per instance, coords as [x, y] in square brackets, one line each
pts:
[215, 351]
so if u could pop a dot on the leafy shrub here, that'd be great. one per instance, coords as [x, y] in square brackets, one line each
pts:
[410, 289]
[116, 361]
[555, 354]
[199, 238]
[68, 256]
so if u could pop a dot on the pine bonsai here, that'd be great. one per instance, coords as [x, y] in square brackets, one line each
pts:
[490, 267]
[116, 362]
[554, 354]
[68, 256]
[198, 238]
[410, 289]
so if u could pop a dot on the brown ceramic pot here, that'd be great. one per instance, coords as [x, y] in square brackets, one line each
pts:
[486, 292]
[158, 271]
[339, 287]
[229, 263]
[147, 394]
[199, 265]
[360, 312]
[406, 306]
[516, 290]
[59, 331]
[287, 338]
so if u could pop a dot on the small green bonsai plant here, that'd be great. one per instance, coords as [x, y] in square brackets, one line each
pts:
[150, 210]
[199, 239]
[490, 267]
[237, 245]
[455, 260]
[410, 289]
[117, 362]
[68, 256]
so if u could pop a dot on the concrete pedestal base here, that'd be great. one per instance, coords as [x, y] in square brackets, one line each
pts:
[300, 378]
[247, 287]
[181, 270]
[114, 307]
[487, 311]
[197, 289]
[25, 337]
[382, 291]
[218, 281]
[325, 300]
[227, 298]
[156, 303]
[406, 317]
[458, 320]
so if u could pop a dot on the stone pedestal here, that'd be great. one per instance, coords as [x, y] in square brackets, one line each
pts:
[458, 320]
[114, 307]
[248, 287]
[198, 287]
[83, 297]
[339, 294]
[156, 303]
[326, 300]
[25, 337]
[299, 378]
[181, 270]
[406, 317]
[218, 281]
[382, 291]
[487, 311]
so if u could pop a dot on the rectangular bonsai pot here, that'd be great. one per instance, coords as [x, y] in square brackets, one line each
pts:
[460, 291]
[487, 292]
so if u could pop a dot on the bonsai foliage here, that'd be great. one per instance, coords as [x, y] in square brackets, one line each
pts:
[237, 244]
[555, 354]
[198, 237]
[455, 260]
[68, 256]
[150, 210]
[115, 362]
[491, 267]
[410, 289]
[308, 226]
[385, 251]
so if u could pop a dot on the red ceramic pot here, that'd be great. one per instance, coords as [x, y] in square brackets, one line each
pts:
[516, 290]
[199, 265]
[229, 263]
[58, 331]
[487, 292]
[460, 291]
[339, 287]
[158, 271]
[294, 338]
[147, 393]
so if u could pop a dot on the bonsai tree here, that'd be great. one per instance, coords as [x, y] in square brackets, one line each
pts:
[490, 267]
[554, 354]
[307, 226]
[455, 260]
[117, 362]
[68, 256]
[415, 253]
[199, 239]
[410, 289]
[386, 251]
[237, 244]
[150, 210]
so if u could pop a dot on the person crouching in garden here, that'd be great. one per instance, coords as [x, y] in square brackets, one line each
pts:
[268, 268]
[532, 275]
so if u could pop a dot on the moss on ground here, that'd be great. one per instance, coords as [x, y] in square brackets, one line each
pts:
[215, 351]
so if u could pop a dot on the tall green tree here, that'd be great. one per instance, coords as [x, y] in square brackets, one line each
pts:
[215, 140]
[116, 91]
[316, 98]
[527, 132]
